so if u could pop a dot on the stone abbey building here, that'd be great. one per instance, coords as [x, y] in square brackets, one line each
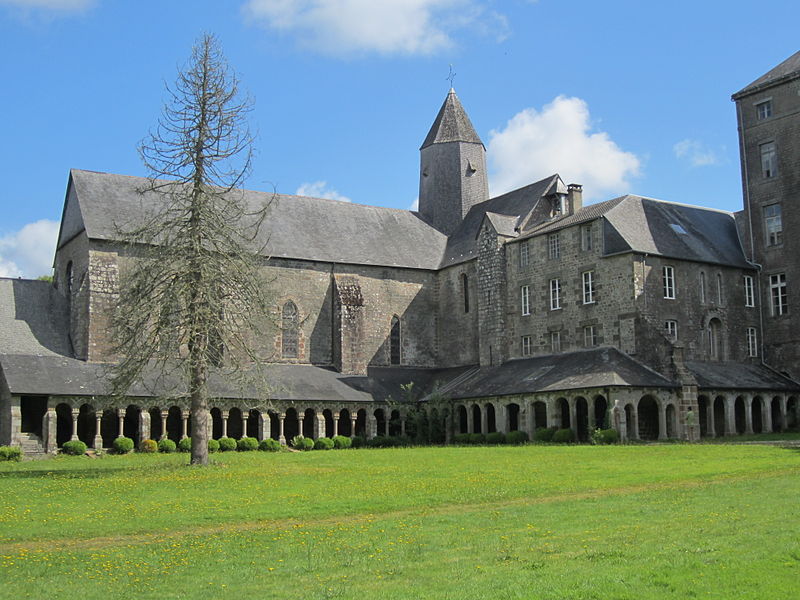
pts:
[525, 310]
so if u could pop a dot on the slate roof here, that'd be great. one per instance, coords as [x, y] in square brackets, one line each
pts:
[34, 319]
[596, 368]
[788, 69]
[451, 124]
[744, 376]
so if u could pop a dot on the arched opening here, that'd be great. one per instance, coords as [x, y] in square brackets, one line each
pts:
[465, 291]
[715, 339]
[461, 414]
[361, 423]
[63, 424]
[274, 425]
[309, 416]
[629, 422]
[175, 424]
[235, 425]
[289, 331]
[702, 409]
[539, 414]
[582, 418]
[380, 421]
[791, 413]
[130, 425]
[395, 423]
[672, 421]
[739, 415]
[345, 427]
[491, 419]
[254, 424]
[32, 411]
[216, 423]
[477, 422]
[777, 416]
[109, 427]
[328, 416]
[394, 341]
[87, 423]
[155, 424]
[562, 407]
[757, 412]
[720, 408]
[513, 416]
[291, 424]
[648, 418]
[601, 420]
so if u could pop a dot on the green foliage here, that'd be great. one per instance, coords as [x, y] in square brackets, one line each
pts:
[213, 445]
[544, 434]
[74, 448]
[167, 446]
[564, 436]
[247, 444]
[10, 453]
[227, 444]
[123, 445]
[148, 446]
[185, 444]
[477, 438]
[516, 437]
[269, 445]
[323, 443]
[308, 444]
[47, 278]
[358, 441]
[300, 442]
[340, 442]
[605, 436]
[495, 438]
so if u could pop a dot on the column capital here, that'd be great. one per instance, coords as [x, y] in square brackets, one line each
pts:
[76, 412]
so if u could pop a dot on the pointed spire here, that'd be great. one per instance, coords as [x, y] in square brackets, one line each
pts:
[452, 124]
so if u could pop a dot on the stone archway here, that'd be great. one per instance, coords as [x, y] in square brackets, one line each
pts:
[647, 410]
[291, 424]
[720, 417]
[703, 408]
[739, 415]
[777, 415]
[109, 427]
[477, 423]
[380, 422]
[395, 423]
[327, 414]
[791, 413]
[63, 424]
[309, 418]
[491, 419]
[87, 424]
[216, 423]
[156, 430]
[671, 421]
[235, 424]
[601, 419]
[361, 423]
[253, 429]
[757, 414]
[582, 418]
[512, 410]
[461, 418]
[562, 406]
[539, 414]
[131, 423]
[345, 425]
[175, 424]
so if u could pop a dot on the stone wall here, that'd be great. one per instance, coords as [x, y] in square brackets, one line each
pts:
[75, 251]
[458, 327]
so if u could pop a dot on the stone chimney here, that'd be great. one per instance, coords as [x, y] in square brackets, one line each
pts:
[574, 198]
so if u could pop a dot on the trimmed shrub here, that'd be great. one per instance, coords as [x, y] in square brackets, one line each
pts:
[213, 446]
[269, 445]
[74, 448]
[379, 441]
[10, 453]
[297, 442]
[544, 434]
[605, 436]
[340, 442]
[148, 446]
[185, 445]
[564, 436]
[403, 440]
[461, 439]
[494, 438]
[516, 437]
[166, 446]
[123, 445]
[308, 444]
[247, 444]
[227, 444]
[477, 438]
[359, 441]
[323, 443]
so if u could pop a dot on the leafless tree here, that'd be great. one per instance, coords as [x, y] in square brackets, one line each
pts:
[190, 298]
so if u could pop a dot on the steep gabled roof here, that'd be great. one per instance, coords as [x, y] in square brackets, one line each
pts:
[788, 69]
[34, 319]
[451, 124]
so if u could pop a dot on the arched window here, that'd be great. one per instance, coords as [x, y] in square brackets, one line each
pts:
[715, 339]
[290, 330]
[69, 279]
[394, 341]
[465, 290]
[702, 287]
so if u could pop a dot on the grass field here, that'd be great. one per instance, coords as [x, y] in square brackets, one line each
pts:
[662, 521]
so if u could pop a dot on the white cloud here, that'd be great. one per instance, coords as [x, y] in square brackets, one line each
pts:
[29, 251]
[56, 6]
[559, 139]
[695, 152]
[384, 26]
[320, 189]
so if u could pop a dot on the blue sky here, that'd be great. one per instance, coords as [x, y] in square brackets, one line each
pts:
[621, 96]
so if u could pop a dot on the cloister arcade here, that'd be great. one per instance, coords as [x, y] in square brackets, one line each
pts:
[722, 414]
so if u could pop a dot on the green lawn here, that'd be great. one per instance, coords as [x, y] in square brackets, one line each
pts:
[669, 521]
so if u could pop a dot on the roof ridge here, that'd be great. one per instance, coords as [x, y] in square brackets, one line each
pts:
[451, 124]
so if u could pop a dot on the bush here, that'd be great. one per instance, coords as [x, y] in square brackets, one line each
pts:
[605, 436]
[247, 444]
[564, 436]
[308, 444]
[123, 445]
[227, 444]
[297, 442]
[516, 437]
[10, 453]
[340, 442]
[185, 445]
[403, 440]
[359, 441]
[213, 445]
[74, 448]
[544, 434]
[269, 445]
[323, 443]
[461, 439]
[477, 438]
[148, 446]
[166, 446]
[495, 438]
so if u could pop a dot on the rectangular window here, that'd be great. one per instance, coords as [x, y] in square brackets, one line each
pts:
[764, 110]
[749, 294]
[555, 342]
[773, 224]
[553, 246]
[526, 345]
[668, 274]
[586, 238]
[671, 330]
[524, 254]
[555, 294]
[588, 287]
[752, 342]
[769, 160]
[590, 336]
[525, 300]
[777, 292]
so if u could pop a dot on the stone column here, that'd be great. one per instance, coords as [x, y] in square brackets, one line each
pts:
[121, 420]
[662, 421]
[372, 426]
[319, 426]
[265, 426]
[98, 439]
[245, 417]
[75, 413]
[281, 436]
[784, 420]
[501, 418]
[335, 424]
[224, 423]
[710, 419]
[748, 415]
[618, 421]
[144, 425]
[573, 421]
[184, 424]
[164, 415]
[766, 415]
[402, 424]
[485, 419]
[470, 421]
[50, 429]
[209, 425]
[635, 417]
[590, 416]
[730, 416]
[353, 419]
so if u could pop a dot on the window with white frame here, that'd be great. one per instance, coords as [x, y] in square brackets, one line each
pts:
[778, 296]
[555, 294]
[555, 342]
[764, 110]
[668, 275]
[752, 342]
[526, 345]
[524, 254]
[588, 287]
[590, 336]
[553, 246]
[773, 224]
[769, 160]
[586, 238]
[749, 292]
[671, 329]
[525, 300]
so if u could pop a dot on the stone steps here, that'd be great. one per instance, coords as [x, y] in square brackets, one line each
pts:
[30, 443]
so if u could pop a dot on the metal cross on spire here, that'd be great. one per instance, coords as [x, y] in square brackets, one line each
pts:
[451, 76]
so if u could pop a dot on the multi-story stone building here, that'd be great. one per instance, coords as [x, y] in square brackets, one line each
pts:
[522, 311]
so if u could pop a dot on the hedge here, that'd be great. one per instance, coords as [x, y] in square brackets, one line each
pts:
[10, 453]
